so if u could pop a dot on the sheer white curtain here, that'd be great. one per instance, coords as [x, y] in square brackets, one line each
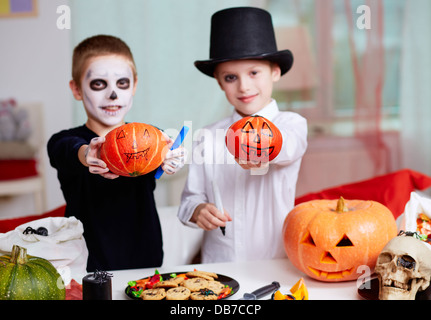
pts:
[166, 37]
[416, 87]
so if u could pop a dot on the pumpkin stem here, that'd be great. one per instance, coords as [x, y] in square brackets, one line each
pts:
[19, 255]
[341, 206]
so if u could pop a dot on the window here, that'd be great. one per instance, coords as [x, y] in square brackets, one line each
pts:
[338, 93]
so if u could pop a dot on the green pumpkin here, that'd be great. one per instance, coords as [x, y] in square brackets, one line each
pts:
[24, 277]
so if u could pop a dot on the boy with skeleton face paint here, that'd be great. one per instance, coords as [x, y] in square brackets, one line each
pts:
[118, 213]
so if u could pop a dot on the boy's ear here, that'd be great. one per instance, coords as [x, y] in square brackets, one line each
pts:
[276, 72]
[76, 91]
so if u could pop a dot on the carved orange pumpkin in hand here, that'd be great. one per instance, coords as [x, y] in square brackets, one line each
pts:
[134, 149]
[329, 240]
[254, 138]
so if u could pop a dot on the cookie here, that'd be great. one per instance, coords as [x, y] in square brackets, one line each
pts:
[204, 294]
[154, 294]
[202, 274]
[195, 284]
[179, 293]
[178, 280]
[169, 283]
[216, 286]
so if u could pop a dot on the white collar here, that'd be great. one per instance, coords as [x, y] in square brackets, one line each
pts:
[269, 112]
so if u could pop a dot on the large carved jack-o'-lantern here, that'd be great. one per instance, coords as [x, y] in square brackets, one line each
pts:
[328, 239]
[254, 138]
[134, 149]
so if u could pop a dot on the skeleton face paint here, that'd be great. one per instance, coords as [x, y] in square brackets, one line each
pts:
[107, 89]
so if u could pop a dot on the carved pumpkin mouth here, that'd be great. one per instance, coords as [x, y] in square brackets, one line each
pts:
[255, 151]
[137, 155]
[331, 275]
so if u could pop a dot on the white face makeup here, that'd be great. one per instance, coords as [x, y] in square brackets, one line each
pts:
[107, 89]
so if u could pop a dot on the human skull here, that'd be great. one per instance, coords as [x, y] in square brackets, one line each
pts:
[403, 268]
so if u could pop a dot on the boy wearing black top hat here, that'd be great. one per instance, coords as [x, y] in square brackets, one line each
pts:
[245, 62]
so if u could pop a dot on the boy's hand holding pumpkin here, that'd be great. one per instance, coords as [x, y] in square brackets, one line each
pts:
[251, 164]
[174, 160]
[89, 157]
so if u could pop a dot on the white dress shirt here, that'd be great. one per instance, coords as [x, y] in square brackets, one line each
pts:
[258, 202]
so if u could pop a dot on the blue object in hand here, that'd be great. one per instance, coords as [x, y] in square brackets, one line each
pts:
[178, 141]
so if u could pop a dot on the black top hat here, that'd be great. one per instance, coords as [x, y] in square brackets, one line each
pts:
[243, 33]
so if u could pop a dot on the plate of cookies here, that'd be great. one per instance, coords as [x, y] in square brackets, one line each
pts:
[188, 285]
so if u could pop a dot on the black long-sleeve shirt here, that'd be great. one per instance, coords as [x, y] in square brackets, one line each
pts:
[121, 225]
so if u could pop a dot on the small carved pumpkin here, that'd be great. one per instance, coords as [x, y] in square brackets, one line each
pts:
[134, 149]
[328, 239]
[254, 138]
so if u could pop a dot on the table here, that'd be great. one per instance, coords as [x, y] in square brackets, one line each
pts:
[251, 275]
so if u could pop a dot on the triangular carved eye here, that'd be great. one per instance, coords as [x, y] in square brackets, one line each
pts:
[344, 242]
[266, 130]
[146, 134]
[248, 127]
[121, 135]
[308, 240]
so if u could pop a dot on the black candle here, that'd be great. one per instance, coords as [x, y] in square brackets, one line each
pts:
[97, 286]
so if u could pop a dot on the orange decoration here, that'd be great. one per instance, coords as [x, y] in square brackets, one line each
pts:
[298, 292]
[134, 149]
[329, 239]
[254, 138]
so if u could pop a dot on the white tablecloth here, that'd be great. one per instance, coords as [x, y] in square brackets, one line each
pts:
[251, 276]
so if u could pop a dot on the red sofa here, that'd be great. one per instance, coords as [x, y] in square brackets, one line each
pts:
[393, 190]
